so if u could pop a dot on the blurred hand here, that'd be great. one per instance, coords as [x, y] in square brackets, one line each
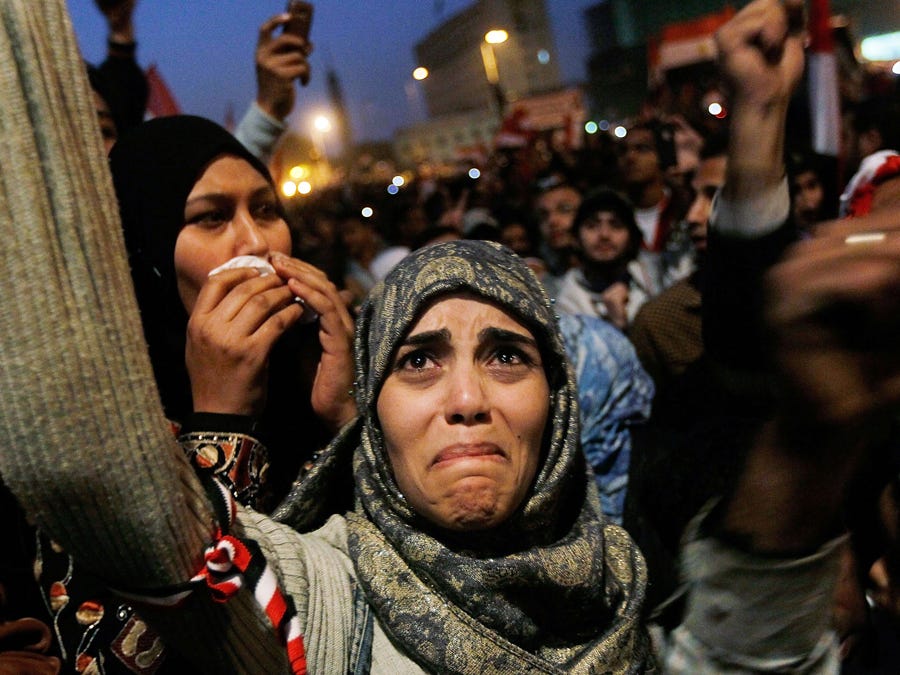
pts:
[118, 15]
[237, 319]
[280, 59]
[761, 51]
[834, 311]
[331, 398]
[615, 298]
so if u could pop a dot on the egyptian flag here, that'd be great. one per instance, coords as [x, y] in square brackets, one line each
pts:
[824, 99]
[160, 101]
[684, 43]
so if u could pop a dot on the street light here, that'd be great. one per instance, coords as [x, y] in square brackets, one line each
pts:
[496, 36]
[321, 126]
[414, 92]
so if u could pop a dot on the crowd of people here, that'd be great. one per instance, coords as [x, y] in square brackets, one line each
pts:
[607, 409]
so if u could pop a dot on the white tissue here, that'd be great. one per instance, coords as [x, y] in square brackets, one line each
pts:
[265, 268]
[253, 261]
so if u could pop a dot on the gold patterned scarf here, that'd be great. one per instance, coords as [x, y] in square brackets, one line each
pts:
[555, 589]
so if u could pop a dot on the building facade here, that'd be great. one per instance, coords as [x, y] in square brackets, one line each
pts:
[452, 52]
[464, 107]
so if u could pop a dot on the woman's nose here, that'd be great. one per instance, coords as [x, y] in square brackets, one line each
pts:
[249, 237]
[467, 400]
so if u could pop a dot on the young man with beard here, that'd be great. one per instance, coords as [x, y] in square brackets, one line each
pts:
[614, 279]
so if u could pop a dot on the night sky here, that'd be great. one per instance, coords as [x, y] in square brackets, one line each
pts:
[204, 50]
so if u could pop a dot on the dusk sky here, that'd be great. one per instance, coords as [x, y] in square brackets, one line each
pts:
[204, 50]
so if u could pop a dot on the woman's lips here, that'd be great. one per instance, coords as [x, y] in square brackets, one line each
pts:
[467, 450]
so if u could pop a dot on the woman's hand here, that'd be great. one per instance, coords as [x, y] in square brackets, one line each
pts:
[237, 319]
[331, 397]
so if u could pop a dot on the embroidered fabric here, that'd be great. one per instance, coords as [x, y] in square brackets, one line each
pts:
[240, 461]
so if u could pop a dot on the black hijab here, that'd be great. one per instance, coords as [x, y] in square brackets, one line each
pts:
[154, 168]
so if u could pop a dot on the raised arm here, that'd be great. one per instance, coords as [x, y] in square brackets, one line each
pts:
[761, 56]
[126, 83]
[84, 445]
[281, 60]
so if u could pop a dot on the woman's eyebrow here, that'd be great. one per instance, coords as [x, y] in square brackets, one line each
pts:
[263, 191]
[220, 195]
[427, 337]
[502, 335]
[207, 197]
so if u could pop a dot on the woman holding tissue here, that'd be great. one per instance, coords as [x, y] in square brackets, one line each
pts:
[263, 359]
[250, 348]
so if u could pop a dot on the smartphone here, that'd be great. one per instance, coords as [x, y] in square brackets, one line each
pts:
[299, 24]
[301, 18]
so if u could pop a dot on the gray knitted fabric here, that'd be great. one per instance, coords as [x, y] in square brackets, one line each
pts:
[84, 444]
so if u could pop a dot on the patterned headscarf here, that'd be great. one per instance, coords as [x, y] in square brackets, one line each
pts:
[553, 589]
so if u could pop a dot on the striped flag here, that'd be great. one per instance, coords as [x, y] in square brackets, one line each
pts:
[824, 99]
[685, 42]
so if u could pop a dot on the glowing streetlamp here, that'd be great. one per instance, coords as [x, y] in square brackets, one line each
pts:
[496, 36]
[414, 92]
[322, 124]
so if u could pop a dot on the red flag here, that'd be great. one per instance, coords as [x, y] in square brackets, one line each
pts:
[160, 102]
[824, 99]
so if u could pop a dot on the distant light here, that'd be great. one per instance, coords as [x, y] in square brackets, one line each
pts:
[881, 47]
[543, 57]
[474, 173]
[420, 73]
[604, 125]
[398, 181]
[896, 69]
[367, 212]
[715, 109]
[304, 187]
[288, 188]
[298, 172]
[591, 127]
[620, 132]
[322, 123]
[392, 189]
[496, 36]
